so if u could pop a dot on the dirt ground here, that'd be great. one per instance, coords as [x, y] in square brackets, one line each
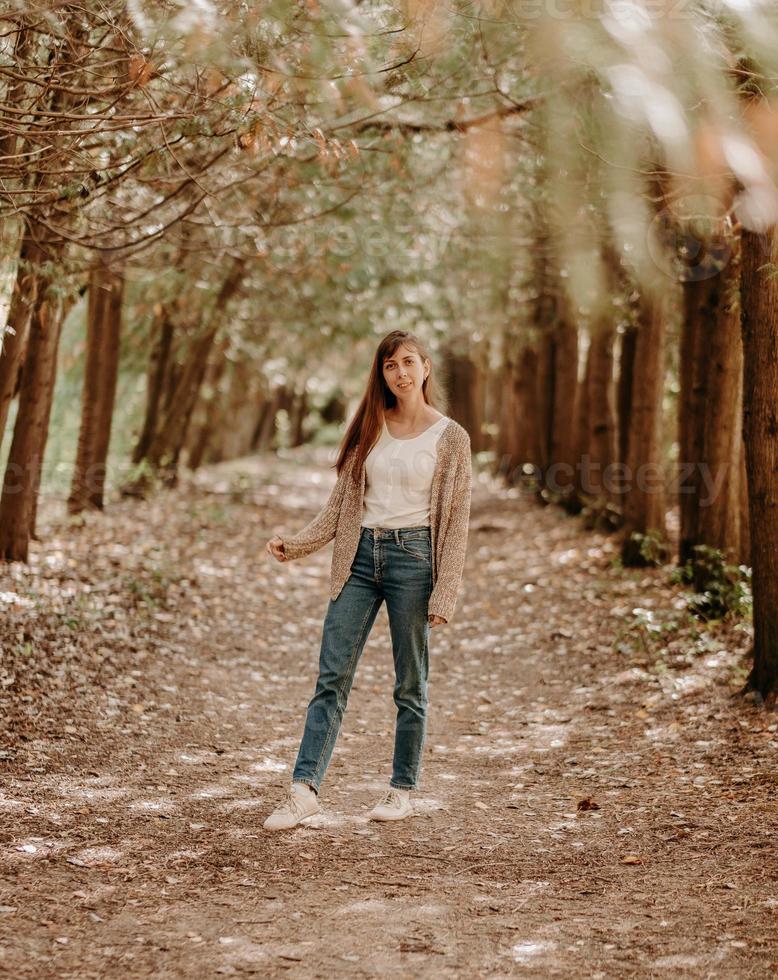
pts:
[595, 802]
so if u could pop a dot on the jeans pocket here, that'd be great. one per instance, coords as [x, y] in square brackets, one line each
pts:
[419, 548]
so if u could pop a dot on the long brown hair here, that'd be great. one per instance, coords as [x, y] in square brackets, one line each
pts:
[365, 427]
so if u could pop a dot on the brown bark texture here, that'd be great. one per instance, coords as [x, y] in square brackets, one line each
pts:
[718, 511]
[644, 497]
[624, 390]
[545, 381]
[528, 448]
[508, 420]
[702, 298]
[25, 460]
[464, 387]
[563, 435]
[167, 442]
[208, 413]
[744, 555]
[101, 372]
[158, 368]
[598, 425]
[15, 343]
[759, 303]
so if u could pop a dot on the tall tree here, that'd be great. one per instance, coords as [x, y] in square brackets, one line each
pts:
[700, 305]
[760, 431]
[166, 444]
[14, 340]
[596, 408]
[624, 389]
[101, 373]
[718, 518]
[644, 504]
[557, 377]
[25, 460]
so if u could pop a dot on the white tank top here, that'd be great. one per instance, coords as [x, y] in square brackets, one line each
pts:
[398, 478]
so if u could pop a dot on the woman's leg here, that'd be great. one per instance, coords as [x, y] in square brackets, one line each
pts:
[407, 588]
[344, 634]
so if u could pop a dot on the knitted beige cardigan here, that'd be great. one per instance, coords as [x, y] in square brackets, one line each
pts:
[341, 519]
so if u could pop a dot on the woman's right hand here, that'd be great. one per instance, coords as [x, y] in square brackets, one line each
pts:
[275, 547]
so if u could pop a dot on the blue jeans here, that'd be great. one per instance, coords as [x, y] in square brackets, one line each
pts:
[396, 566]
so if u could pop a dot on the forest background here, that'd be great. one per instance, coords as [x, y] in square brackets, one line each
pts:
[210, 212]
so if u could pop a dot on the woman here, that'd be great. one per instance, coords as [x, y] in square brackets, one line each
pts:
[399, 515]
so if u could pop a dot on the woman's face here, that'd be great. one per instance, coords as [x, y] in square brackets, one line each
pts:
[404, 372]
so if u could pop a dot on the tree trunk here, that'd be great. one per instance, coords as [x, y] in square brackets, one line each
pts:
[718, 516]
[25, 461]
[507, 421]
[64, 308]
[158, 370]
[624, 394]
[165, 447]
[101, 372]
[267, 423]
[701, 298]
[601, 446]
[596, 416]
[518, 445]
[744, 557]
[210, 407]
[263, 410]
[581, 425]
[545, 383]
[299, 413]
[760, 430]
[237, 422]
[561, 478]
[112, 347]
[15, 343]
[644, 504]
[463, 384]
[529, 424]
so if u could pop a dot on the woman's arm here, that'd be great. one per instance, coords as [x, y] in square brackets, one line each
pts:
[321, 530]
[452, 561]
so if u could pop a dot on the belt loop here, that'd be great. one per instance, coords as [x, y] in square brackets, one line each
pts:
[396, 536]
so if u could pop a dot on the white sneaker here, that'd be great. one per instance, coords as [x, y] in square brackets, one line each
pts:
[301, 802]
[395, 805]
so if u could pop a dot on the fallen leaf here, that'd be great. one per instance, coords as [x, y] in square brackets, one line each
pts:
[631, 859]
[140, 70]
[588, 804]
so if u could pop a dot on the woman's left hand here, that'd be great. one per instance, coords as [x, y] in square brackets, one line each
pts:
[436, 620]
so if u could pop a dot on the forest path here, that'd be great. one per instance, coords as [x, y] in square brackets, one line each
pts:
[593, 802]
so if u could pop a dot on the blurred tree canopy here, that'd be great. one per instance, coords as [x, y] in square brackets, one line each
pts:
[376, 165]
